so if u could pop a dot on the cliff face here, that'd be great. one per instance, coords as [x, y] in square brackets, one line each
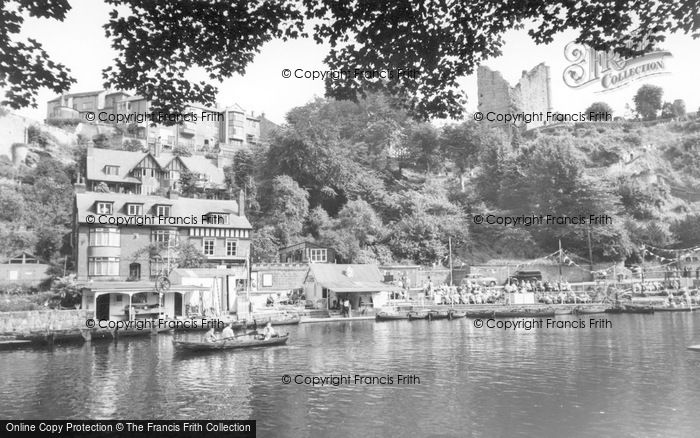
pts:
[531, 94]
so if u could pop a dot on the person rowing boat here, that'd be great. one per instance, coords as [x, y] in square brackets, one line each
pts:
[269, 332]
[227, 332]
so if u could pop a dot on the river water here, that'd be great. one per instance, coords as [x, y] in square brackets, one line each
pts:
[636, 379]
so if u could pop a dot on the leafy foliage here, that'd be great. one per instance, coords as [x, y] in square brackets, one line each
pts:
[158, 44]
[647, 101]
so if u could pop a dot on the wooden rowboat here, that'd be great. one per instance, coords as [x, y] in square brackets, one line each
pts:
[630, 309]
[417, 315]
[232, 344]
[674, 309]
[386, 316]
[456, 314]
[694, 347]
[524, 313]
[438, 314]
[588, 310]
[479, 313]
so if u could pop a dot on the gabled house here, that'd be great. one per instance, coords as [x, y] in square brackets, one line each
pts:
[111, 231]
[145, 173]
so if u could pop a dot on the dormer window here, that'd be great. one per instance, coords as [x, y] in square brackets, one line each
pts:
[163, 210]
[104, 208]
[216, 219]
[134, 209]
[111, 170]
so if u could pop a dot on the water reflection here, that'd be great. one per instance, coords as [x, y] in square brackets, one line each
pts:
[636, 378]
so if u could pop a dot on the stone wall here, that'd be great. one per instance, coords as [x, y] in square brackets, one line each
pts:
[531, 94]
[13, 323]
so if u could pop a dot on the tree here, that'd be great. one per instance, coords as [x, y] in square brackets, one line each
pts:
[181, 151]
[647, 101]
[188, 183]
[132, 145]
[599, 107]
[264, 245]
[687, 230]
[679, 108]
[289, 208]
[158, 44]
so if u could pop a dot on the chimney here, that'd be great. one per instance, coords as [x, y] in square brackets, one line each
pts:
[241, 203]
[79, 186]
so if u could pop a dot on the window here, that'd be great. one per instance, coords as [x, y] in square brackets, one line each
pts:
[98, 266]
[174, 175]
[104, 237]
[112, 170]
[134, 209]
[163, 236]
[104, 208]
[250, 138]
[216, 219]
[318, 255]
[163, 210]
[208, 246]
[267, 280]
[231, 247]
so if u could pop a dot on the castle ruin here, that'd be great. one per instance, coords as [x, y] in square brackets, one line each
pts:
[532, 94]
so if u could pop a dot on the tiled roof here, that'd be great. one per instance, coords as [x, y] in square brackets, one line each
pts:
[180, 207]
[99, 158]
[349, 278]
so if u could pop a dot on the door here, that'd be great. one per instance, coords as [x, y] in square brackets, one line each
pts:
[135, 271]
[178, 304]
[102, 307]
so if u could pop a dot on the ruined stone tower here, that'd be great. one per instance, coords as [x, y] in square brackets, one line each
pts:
[531, 94]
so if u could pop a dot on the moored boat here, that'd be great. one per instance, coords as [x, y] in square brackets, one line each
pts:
[438, 314]
[694, 347]
[417, 314]
[588, 310]
[456, 314]
[673, 309]
[481, 313]
[524, 313]
[241, 342]
[630, 308]
[387, 316]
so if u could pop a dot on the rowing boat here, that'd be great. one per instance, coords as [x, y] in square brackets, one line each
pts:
[479, 313]
[417, 315]
[524, 313]
[231, 344]
[630, 309]
[456, 314]
[673, 309]
[438, 314]
[588, 310]
[386, 316]
[694, 347]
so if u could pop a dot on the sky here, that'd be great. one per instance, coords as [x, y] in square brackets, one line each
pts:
[79, 42]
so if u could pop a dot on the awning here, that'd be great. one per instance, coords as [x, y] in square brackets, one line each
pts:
[359, 287]
[136, 287]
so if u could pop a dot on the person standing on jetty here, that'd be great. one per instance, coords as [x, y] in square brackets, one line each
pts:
[346, 307]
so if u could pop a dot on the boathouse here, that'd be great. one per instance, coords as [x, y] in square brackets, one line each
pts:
[328, 284]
